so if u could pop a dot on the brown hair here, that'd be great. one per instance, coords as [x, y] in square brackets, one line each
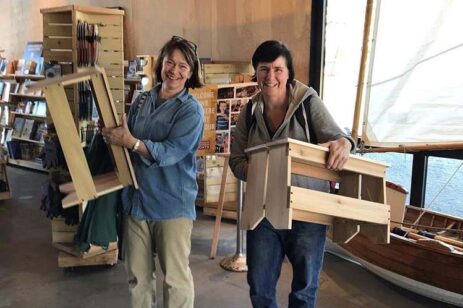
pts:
[188, 49]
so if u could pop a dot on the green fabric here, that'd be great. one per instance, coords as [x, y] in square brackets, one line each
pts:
[99, 223]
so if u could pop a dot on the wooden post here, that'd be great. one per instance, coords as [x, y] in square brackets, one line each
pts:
[218, 215]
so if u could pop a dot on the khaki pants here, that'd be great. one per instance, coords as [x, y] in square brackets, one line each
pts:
[171, 241]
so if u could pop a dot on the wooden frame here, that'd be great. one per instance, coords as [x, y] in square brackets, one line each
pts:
[359, 207]
[83, 186]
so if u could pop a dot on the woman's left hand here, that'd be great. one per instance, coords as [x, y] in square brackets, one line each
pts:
[120, 135]
[339, 153]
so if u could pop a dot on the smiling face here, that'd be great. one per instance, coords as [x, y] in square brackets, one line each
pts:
[175, 72]
[272, 78]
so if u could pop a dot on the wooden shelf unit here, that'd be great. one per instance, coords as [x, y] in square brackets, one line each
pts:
[60, 44]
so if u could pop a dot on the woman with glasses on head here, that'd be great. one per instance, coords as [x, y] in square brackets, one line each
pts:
[275, 112]
[163, 130]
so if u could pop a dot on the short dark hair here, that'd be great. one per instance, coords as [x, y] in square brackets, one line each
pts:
[268, 51]
[188, 49]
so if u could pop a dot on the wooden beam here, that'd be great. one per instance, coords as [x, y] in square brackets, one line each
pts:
[339, 206]
[277, 209]
[70, 142]
[256, 186]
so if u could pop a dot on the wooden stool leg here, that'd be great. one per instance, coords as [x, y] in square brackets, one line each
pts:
[218, 215]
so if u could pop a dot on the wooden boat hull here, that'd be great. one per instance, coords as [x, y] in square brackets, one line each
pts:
[424, 270]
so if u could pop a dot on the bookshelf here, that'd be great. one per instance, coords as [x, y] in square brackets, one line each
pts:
[22, 121]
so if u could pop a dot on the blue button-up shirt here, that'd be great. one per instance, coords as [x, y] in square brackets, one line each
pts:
[171, 133]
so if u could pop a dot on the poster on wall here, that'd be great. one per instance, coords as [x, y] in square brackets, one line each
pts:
[207, 96]
[231, 98]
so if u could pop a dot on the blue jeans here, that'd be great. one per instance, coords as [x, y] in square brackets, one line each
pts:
[266, 248]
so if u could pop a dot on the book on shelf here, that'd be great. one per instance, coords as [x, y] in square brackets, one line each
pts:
[33, 51]
[20, 66]
[26, 151]
[18, 126]
[2, 85]
[14, 149]
[29, 67]
[27, 129]
[28, 108]
[9, 134]
[5, 116]
[39, 66]
[3, 66]
[4, 134]
[20, 107]
[39, 131]
[6, 91]
[41, 109]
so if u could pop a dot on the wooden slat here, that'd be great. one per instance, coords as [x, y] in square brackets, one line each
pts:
[215, 189]
[314, 171]
[214, 197]
[101, 19]
[339, 206]
[57, 30]
[94, 250]
[343, 229]
[62, 236]
[60, 56]
[312, 153]
[253, 209]
[227, 68]
[312, 217]
[110, 56]
[82, 9]
[215, 180]
[70, 142]
[225, 213]
[68, 260]
[108, 115]
[116, 83]
[110, 31]
[112, 69]
[57, 43]
[112, 44]
[57, 18]
[316, 155]
[277, 209]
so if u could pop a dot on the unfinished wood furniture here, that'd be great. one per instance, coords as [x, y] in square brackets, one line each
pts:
[359, 207]
[84, 187]
[60, 45]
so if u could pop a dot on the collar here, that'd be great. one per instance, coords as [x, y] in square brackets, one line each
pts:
[182, 96]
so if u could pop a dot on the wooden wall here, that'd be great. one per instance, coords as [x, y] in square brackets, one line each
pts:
[223, 29]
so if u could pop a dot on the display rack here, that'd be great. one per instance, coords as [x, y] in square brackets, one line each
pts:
[62, 45]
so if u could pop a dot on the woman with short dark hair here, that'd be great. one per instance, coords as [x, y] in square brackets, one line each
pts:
[163, 129]
[274, 117]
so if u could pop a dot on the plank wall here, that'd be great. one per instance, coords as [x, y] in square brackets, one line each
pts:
[223, 30]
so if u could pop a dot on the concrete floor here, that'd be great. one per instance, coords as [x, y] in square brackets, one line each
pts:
[30, 277]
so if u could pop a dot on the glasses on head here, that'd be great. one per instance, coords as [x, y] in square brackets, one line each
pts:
[181, 39]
